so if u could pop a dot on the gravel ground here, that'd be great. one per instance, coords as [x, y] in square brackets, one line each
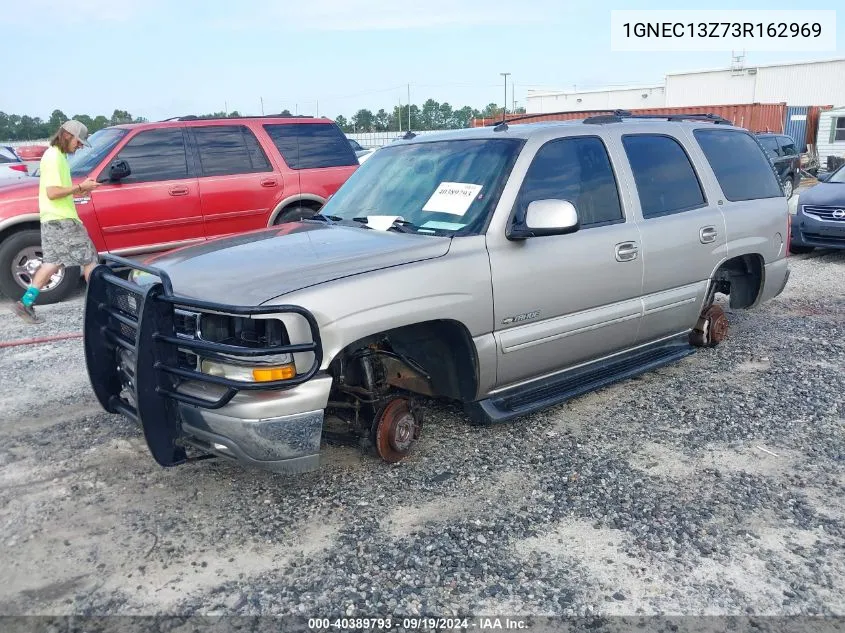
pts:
[712, 486]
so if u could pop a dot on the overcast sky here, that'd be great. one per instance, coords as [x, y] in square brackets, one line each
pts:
[157, 61]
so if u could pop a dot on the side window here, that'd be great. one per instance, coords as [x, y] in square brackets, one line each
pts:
[787, 146]
[740, 165]
[666, 180]
[770, 144]
[155, 155]
[229, 149]
[312, 145]
[576, 169]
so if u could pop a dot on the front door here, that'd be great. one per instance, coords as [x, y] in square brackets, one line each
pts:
[158, 205]
[562, 300]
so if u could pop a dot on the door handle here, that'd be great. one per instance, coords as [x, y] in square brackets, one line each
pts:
[178, 191]
[268, 182]
[626, 251]
[707, 234]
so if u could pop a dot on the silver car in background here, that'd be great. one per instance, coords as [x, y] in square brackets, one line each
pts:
[11, 166]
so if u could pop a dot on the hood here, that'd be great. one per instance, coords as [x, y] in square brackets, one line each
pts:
[252, 268]
[824, 194]
[19, 189]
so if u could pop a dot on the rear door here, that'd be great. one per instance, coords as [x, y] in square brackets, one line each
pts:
[238, 185]
[755, 209]
[158, 205]
[318, 153]
[682, 230]
[564, 299]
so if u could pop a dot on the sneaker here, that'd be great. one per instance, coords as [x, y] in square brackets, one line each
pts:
[27, 313]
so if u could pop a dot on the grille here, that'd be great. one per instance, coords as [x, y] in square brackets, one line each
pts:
[125, 301]
[830, 239]
[825, 213]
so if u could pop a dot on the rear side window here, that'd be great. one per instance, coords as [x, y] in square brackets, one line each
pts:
[741, 167]
[666, 180]
[787, 146]
[155, 155]
[312, 145]
[578, 170]
[229, 149]
[770, 144]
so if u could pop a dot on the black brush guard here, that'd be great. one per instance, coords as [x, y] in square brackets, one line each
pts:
[140, 320]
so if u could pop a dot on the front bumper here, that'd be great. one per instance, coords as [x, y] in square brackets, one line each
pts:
[136, 363]
[810, 231]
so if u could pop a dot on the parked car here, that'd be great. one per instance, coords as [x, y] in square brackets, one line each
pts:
[11, 166]
[506, 268]
[31, 152]
[180, 182]
[362, 153]
[818, 218]
[785, 157]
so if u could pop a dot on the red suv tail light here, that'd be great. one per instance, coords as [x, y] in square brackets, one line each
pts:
[20, 167]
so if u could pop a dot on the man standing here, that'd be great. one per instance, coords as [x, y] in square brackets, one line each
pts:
[64, 240]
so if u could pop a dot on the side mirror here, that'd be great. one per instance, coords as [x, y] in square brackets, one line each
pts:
[824, 177]
[546, 217]
[119, 170]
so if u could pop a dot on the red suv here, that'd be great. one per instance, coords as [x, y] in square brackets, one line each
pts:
[178, 182]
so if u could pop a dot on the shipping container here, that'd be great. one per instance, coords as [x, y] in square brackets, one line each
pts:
[795, 125]
[757, 117]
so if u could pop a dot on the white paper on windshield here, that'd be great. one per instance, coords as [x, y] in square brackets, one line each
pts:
[452, 197]
[446, 226]
[382, 222]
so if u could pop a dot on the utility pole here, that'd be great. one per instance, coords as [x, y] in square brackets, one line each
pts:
[262, 105]
[317, 107]
[409, 107]
[505, 103]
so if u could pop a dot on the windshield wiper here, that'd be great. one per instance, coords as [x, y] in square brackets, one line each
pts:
[320, 217]
[400, 225]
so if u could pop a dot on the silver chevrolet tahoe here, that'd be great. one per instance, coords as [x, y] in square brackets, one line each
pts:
[508, 268]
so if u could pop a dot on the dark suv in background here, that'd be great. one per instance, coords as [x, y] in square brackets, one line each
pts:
[786, 158]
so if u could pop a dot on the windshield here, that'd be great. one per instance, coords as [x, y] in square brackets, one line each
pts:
[838, 176]
[443, 187]
[85, 159]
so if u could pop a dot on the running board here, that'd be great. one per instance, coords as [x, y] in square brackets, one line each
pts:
[541, 394]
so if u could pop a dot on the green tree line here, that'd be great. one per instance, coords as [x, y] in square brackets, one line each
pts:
[432, 115]
[14, 127]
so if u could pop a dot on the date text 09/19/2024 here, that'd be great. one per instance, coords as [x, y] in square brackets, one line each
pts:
[419, 624]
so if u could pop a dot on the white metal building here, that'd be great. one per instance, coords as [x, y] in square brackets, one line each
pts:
[797, 84]
[831, 137]
[628, 97]
[820, 82]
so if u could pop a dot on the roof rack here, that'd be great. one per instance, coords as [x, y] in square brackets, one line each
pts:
[619, 115]
[194, 117]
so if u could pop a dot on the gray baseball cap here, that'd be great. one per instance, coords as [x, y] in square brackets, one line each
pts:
[78, 130]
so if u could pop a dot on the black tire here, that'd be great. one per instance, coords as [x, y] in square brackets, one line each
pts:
[292, 214]
[10, 285]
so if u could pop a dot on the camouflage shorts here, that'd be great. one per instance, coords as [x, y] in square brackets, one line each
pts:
[66, 242]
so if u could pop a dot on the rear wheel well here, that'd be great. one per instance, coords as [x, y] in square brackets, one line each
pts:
[434, 358]
[741, 278]
[313, 205]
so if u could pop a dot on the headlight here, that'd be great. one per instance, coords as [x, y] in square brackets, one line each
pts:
[249, 333]
[254, 373]
[793, 204]
[242, 331]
